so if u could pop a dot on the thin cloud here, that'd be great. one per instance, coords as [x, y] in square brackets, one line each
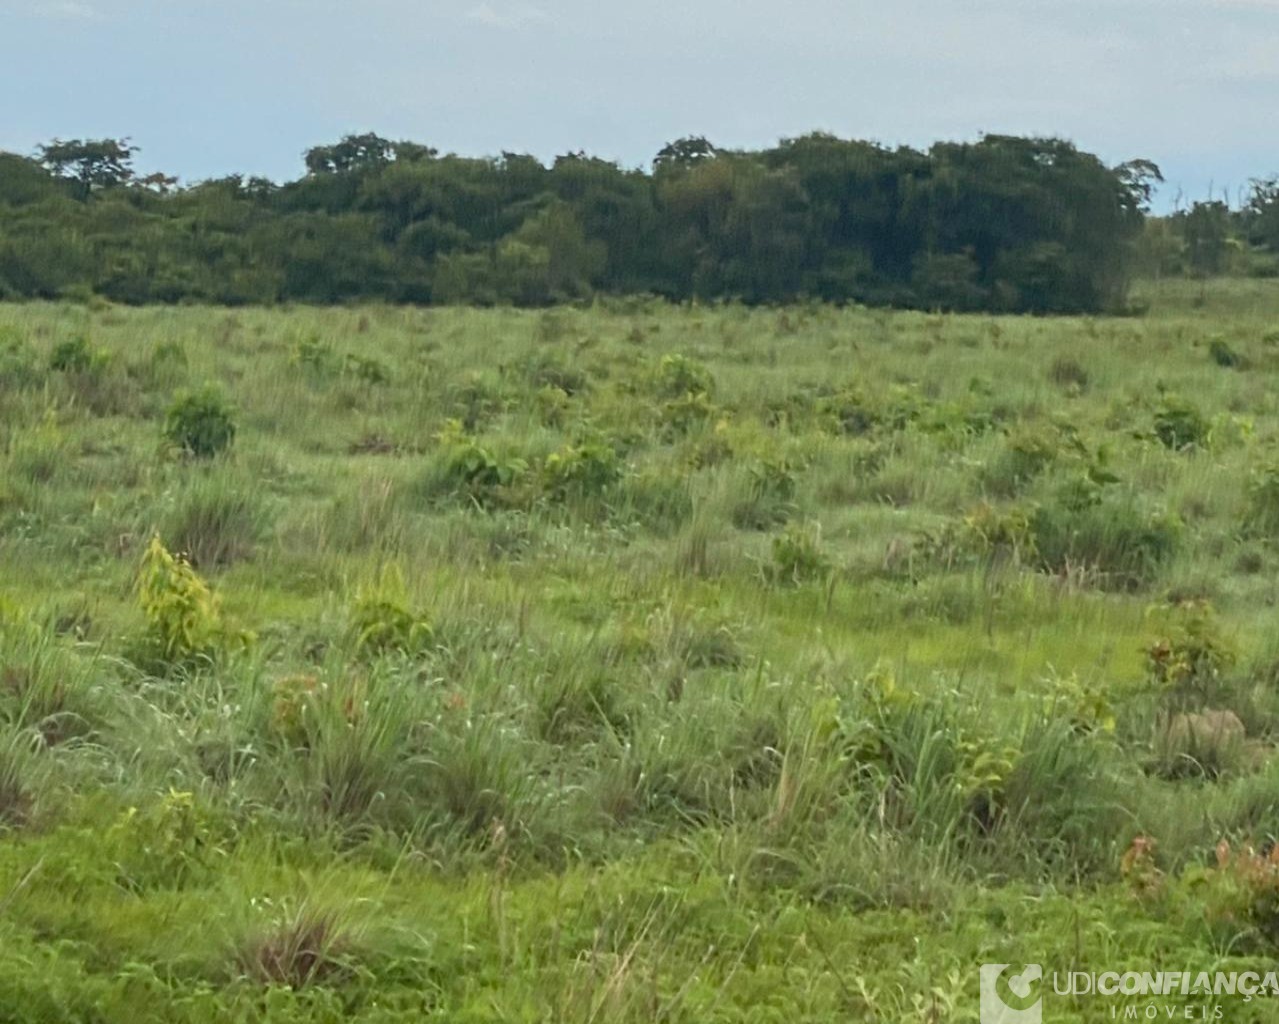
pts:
[507, 17]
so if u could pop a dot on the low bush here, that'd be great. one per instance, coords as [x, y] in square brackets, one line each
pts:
[581, 471]
[679, 376]
[1223, 355]
[183, 616]
[1262, 497]
[798, 556]
[1188, 664]
[1113, 537]
[1179, 424]
[480, 475]
[771, 500]
[381, 621]
[200, 423]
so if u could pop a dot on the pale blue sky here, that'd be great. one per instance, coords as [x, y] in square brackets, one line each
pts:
[206, 88]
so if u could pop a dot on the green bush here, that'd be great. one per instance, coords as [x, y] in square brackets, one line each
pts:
[316, 357]
[366, 369]
[1028, 451]
[381, 622]
[1262, 516]
[1223, 355]
[18, 363]
[72, 356]
[1114, 537]
[200, 422]
[854, 411]
[798, 556]
[1187, 664]
[690, 412]
[1067, 371]
[679, 375]
[656, 498]
[772, 496]
[183, 615]
[579, 471]
[1179, 424]
[999, 533]
[478, 474]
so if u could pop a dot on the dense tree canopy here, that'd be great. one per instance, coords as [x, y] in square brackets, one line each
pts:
[1016, 224]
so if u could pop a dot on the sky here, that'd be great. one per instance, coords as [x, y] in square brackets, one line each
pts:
[210, 87]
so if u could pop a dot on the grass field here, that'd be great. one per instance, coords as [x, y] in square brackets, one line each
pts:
[633, 663]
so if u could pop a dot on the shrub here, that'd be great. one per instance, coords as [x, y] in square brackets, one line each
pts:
[1262, 516]
[200, 422]
[678, 376]
[1028, 451]
[1223, 355]
[1179, 424]
[315, 356]
[1186, 665]
[798, 556]
[169, 842]
[772, 496]
[996, 533]
[381, 622]
[18, 363]
[366, 369]
[1242, 887]
[184, 619]
[580, 471]
[1114, 537]
[72, 356]
[1068, 372]
[690, 412]
[475, 472]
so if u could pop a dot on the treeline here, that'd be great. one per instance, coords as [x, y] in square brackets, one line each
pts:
[1211, 237]
[1004, 224]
